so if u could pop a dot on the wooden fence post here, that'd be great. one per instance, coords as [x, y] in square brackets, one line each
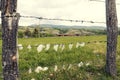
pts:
[112, 34]
[9, 39]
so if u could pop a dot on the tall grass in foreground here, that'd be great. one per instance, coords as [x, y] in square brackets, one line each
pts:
[83, 63]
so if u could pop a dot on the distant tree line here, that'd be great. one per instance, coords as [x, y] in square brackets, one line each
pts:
[40, 32]
[36, 33]
[99, 32]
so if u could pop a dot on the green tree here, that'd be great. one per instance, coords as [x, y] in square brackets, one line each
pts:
[20, 34]
[35, 33]
[27, 33]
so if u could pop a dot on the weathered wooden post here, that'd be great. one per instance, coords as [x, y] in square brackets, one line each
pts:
[112, 33]
[9, 39]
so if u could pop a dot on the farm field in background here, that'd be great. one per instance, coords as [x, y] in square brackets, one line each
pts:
[82, 63]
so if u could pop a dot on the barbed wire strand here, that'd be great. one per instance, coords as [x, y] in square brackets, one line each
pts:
[70, 20]
[56, 19]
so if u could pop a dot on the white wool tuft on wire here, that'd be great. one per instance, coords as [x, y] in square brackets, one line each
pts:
[40, 48]
[87, 64]
[77, 45]
[55, 47]
[63, 67]
[47, 47]
[63, 47]
[29, 47]
[60, 46]
[55, 68]
[45, 69]
[70, 46]
[82, 44]
[20, 47]
[69, 67]
[33, 79]
[38, 69]
[30, 71]
[80, 64]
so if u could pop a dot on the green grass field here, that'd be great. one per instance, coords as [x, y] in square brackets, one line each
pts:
[83, 63]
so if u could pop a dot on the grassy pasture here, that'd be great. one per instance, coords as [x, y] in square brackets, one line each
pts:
[68, 62]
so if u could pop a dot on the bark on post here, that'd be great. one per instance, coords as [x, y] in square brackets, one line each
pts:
[9, 39]
[112, 33]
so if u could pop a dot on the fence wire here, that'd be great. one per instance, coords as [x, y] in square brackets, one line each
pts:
[58, 19]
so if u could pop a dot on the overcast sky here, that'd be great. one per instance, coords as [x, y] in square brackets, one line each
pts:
[65, 9]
